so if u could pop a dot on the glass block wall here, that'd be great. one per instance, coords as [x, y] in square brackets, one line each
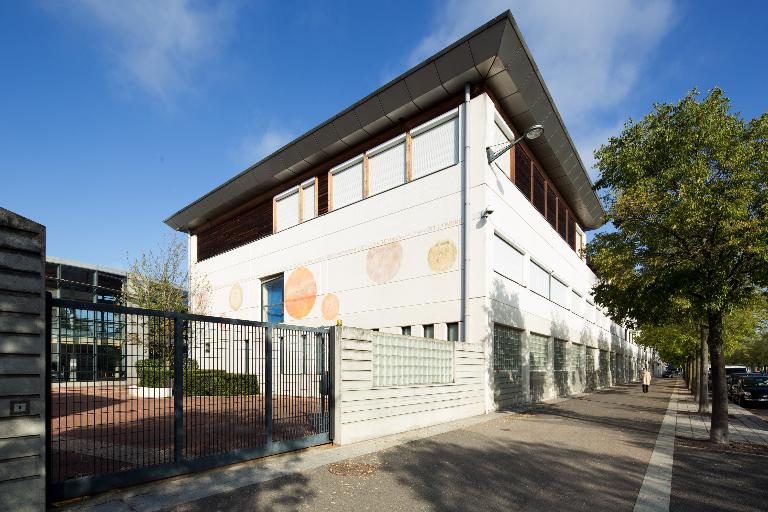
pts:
[539, 350]
[406, 361]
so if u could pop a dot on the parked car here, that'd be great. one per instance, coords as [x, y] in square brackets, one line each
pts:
[730, 381]
[669, 373]
[751, 389]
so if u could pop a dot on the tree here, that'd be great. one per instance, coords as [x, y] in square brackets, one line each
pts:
[160, 280]
[687, 190]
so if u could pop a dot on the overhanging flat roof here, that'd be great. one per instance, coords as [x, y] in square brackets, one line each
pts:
[494, 55]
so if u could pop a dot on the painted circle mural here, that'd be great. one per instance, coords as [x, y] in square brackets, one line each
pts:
[300, 292]
[442, 256]
[235, 297]
[383, 262]
[330, 306]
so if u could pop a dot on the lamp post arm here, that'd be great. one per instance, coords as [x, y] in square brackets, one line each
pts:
[493, 155]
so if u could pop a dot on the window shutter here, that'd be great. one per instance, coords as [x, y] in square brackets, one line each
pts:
[288, 210]
[386, 169]
[436, 148]
[308, 202]
[508, 261]
[348, 185]
[539, 280]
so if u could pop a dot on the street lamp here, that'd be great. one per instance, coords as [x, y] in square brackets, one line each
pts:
[531, 133]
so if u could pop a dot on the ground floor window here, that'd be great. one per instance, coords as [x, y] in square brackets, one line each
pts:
[561, 355]
[272, 299]
[453, 331]
[539, 352]
[506, 349]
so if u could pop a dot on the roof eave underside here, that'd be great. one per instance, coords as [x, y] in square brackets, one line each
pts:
[494, 54]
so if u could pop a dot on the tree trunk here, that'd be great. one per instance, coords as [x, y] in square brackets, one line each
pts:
[718, 432]
[703, 391]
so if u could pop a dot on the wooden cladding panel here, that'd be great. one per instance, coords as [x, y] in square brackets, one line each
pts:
[539, 190]
[251, 225]
[551, 207]
[523, 173]
[572, 232]
[561, 219]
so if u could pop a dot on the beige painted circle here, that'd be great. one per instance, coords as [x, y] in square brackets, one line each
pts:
[235, 297]
[442, 256]
[383, 262]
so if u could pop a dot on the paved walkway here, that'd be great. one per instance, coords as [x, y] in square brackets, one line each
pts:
[743, 427]
[610, 450]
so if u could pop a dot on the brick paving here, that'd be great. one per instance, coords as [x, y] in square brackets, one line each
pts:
[743, 427]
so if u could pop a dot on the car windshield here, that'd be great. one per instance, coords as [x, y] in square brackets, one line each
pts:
[741, 369]
[753, 382]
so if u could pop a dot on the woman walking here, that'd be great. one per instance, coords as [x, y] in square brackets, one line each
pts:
[646, 379]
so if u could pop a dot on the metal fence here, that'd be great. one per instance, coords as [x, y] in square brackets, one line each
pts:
[137, 394]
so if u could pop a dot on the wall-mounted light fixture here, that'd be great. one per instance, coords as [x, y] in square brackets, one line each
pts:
[534, 132]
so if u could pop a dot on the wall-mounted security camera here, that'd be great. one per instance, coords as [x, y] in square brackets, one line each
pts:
[486, 213]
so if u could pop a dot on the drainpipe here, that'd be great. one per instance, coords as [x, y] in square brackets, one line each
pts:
[465, 216]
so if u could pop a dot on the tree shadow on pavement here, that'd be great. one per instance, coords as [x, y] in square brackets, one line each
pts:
[498, 475]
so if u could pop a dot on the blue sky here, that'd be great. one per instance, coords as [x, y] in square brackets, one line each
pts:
[113, 115]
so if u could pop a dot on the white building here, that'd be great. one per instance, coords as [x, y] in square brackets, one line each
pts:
[380, 218]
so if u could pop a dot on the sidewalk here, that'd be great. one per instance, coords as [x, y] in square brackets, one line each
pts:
[743, 426]
[590, 452]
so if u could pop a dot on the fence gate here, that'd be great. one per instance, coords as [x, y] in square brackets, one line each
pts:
[137, 395]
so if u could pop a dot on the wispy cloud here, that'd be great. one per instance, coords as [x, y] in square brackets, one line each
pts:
[591, 54]
[255, 147]
[160, 46]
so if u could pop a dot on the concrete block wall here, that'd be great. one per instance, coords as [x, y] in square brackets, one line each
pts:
[22, 363]
[364, 411]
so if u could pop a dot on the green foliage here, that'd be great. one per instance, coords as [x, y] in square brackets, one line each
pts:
[153, 373]
[160, 280]
[687, 190]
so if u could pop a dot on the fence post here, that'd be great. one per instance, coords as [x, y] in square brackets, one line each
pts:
[269, 424]
[178, 389]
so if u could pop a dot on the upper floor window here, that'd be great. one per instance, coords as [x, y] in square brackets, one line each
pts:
[386, 166]
[295, 205]
[435, 145]
[287, 209]
[539, 280]
[347, 183]
[559, 292]
[507, 260]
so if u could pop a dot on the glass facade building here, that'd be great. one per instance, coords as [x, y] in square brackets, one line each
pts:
[87, 345]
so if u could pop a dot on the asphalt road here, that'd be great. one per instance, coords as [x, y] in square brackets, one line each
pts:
[585, 454]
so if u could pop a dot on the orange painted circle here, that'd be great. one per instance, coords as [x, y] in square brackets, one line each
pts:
[383, 262]
[330, 306]
[300, 292]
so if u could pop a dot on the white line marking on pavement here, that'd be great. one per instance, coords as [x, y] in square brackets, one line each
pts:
[657, 484]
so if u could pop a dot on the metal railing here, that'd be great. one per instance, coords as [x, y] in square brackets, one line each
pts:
[175, 392]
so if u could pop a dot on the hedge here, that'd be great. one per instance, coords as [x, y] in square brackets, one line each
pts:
[153, 374]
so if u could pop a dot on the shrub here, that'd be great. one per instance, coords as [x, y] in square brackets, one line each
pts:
[152, 373]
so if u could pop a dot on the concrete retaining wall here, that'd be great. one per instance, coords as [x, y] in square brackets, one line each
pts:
[22, 363]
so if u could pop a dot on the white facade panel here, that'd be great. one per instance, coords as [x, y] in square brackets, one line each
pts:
[436, 148]
[348, 185]
[386, 169]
